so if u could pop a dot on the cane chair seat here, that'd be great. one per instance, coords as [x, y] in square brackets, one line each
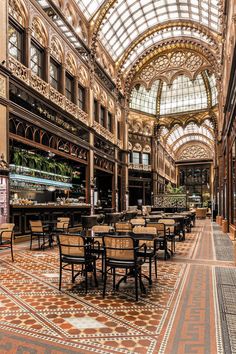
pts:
[123, 227]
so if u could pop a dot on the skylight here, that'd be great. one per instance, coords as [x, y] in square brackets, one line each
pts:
[128, 19]
[89, 7]
[145, 100]
[183, 95]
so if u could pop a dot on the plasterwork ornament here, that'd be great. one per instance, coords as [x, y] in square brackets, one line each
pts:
[3, 86]
[194, 152]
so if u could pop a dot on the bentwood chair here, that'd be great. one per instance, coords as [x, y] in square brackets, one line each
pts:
[148, 235]
[170, 231]
[138, 222]
[75, 250]
[121, 252]
[39, 231]
[161, 240]
[7, 237]
[123, 227]
[97, 232]
[62, 225]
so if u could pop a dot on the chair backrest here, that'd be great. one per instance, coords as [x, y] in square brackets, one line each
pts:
[7, 226]
[145, 230]
[63, 223]
[160, 228]
[119, 247]
[36, 226]
[102, 229]
[123, 227]
[138, 221]
[168, 222]
[72, 245]
[7, 231]
[201, 212]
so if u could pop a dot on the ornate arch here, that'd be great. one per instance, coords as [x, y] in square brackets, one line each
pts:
[165, 47]
[39, 31]
[56, 49]
[18, 10]
[188, 25]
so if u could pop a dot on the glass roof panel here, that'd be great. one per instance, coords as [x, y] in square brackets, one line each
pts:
[133, 17]
[214, 92]
[183, 95]
[161, 35]
[89, 7]
[145, 100]
[193, 137]
[191, 132]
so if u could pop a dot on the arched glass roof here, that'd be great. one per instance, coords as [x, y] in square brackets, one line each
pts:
[187, 138]
[127, 19]
[192, 131]
[166, 33]
[89, 7]
[183, 95]
[145, 100]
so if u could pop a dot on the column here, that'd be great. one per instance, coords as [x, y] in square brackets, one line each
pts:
[90, 173]
[125, 171]
[62, 87]
[4, 84]
[27, 54]
[47, 65]
[115, 183]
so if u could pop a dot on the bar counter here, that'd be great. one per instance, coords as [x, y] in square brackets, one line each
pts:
[20, 215]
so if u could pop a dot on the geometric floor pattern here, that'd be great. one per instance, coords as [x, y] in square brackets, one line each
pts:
[178, 314]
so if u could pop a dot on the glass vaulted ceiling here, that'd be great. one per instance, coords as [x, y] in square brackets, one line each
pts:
[171, 32]
[180, 135]
[130, 18]
[89, 7]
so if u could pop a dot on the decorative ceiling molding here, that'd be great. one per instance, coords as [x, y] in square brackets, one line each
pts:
[194, 151]
[183, 119]
[213, 40]
[173, 129]
[198, 137]
[166, 47]
[167, 67]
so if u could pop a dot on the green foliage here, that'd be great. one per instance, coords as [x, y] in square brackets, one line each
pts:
[174, 190]
[38, 162]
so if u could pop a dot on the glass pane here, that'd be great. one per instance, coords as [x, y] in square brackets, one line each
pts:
[36, 60]
[126, 20]
[183, 95]
[145, 100]
[146, 159]
[15, 43]
[89, 7]
[136, 157]
[54, 75]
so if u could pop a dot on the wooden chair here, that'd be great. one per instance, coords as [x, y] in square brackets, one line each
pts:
[62, 225]
[146, 232]
[7, 237]
[170, 231]
[121, 252]
[74, 250]
[138, 222]
[123, 227]
[38, 230]
[201, 213]
[161, 240]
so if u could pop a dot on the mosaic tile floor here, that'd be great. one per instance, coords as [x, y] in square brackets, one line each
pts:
[177, 315]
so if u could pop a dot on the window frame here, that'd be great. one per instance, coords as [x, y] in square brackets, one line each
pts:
[70, 93]
[81, 99]
[54, 82]
[20, 34]
[39, 49]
